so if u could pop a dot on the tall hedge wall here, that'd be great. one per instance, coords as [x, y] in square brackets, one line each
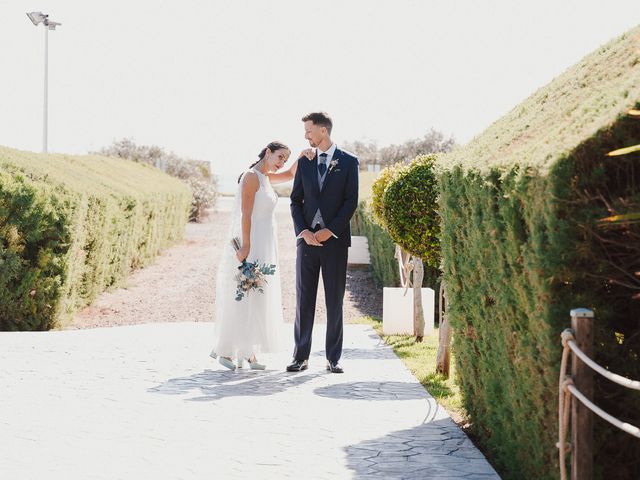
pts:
[522, 244]
[70, 226]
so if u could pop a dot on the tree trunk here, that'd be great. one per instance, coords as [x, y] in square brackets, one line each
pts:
[443, 358]
[404, 267]
[418, 311]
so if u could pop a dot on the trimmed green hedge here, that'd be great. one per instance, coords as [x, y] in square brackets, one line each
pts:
[384, 266]
[521, 245]
[71, 226]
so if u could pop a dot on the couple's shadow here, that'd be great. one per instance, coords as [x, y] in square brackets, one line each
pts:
[217, 384]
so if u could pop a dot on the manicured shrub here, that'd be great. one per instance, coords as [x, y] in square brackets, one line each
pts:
[378, 188]
[409, 209]
[72, 226]
[522, 244]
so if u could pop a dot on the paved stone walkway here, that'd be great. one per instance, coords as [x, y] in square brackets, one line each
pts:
[146, 402]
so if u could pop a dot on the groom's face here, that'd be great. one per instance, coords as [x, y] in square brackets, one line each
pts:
[314, 133]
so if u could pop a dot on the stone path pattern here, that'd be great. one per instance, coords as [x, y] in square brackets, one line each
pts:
[146, 402]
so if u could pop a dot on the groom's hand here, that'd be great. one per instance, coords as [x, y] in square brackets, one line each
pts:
[310, 238]
[323, 235]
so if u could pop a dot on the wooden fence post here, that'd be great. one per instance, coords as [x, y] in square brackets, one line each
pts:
[443, 357]
[581, 416]
[418, 310]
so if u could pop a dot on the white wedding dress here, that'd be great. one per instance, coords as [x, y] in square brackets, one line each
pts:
[253, 325]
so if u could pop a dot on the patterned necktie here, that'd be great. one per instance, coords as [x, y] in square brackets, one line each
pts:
[322, 166]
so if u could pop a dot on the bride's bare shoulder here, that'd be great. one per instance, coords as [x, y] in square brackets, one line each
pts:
[250, 180]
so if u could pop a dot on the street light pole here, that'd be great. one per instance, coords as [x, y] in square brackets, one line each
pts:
[45, 113]
[37, 18]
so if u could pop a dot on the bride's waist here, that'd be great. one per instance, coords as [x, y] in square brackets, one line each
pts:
[261, 220]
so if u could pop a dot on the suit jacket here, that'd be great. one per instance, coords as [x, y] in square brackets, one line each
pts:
[337, 200]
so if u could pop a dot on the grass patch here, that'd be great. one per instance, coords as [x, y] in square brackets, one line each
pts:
[420, 359]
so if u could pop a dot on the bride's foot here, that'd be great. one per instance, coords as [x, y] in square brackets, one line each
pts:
[226, 362]
[254, 365]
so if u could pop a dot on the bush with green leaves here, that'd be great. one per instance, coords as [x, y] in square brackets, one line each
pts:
[378, 188]
[410, 209]
[403, 204]
[72, 226]
[524, 241]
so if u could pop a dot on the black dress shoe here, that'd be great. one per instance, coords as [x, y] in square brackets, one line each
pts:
[297, 366]
[334, 367]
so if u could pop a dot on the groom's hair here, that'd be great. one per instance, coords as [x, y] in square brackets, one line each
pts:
[319, 118]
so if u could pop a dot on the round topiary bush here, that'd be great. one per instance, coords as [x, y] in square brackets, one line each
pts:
[409, 209]
[377, 193]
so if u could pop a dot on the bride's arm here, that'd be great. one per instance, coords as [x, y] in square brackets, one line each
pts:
[285, 176]
[250, 185]
[288, 175]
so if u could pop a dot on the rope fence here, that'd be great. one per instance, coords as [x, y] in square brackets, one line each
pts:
[579, 385]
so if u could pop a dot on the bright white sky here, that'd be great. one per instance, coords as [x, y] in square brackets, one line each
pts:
[217, 80]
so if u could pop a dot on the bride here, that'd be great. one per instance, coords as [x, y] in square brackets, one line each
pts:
[244, 328]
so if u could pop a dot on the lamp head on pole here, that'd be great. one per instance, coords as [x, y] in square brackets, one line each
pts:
[37, 17]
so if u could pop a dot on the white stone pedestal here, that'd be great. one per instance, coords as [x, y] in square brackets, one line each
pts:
[397, 311]
[359, 252]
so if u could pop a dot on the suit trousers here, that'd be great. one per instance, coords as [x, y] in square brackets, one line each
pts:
[331, 260]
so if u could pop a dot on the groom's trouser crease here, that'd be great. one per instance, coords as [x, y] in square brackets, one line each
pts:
[331, 260]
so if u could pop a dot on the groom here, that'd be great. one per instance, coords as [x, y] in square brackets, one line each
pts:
[323, 199]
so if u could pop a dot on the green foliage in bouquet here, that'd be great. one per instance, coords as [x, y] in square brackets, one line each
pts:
[71, 226]
[251, 276]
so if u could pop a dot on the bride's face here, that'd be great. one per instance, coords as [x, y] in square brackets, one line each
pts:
[277, 159]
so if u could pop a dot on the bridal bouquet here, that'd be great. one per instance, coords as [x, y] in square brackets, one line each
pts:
[251, 275]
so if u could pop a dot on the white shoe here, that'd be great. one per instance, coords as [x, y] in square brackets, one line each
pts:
[256, 366]
[225, 362]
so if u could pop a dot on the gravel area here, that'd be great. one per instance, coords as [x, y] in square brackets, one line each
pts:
[180, 284]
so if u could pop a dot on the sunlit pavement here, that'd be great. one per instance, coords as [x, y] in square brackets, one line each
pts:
[147, 402]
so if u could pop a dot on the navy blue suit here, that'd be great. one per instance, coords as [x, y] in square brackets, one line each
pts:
[337, 201]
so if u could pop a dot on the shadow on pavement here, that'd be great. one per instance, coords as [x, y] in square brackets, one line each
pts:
[216, 384]
[362, 353]
[374, 391]
[437, 449]
[363, 292]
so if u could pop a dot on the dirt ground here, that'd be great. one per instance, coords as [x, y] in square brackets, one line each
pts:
[180, 284]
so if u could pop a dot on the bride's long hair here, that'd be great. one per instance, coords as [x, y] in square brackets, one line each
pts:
[272, 147]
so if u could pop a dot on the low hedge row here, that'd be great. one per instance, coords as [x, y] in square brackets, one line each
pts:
[70, 226]
[384, 266]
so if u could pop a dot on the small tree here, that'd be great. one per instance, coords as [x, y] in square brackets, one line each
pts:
[404, 203]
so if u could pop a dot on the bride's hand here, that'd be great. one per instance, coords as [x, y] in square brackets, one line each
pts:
[310, 153]
[243, 253]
